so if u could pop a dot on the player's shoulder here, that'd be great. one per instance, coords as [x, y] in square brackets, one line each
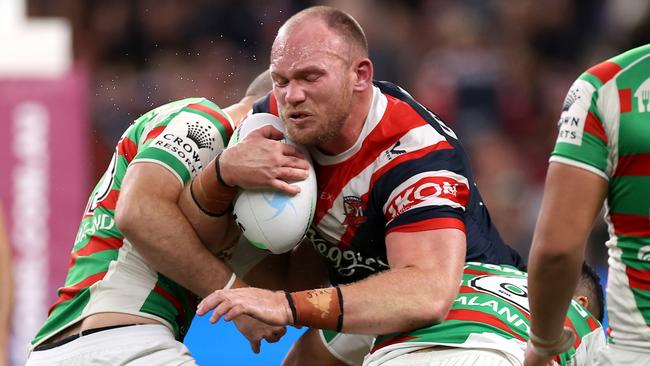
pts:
[612, 68]
[266, 104]
[406, 109]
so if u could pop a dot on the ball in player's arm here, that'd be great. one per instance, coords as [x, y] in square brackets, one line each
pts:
[205, 202]
[373, 144]
[138, 261]
[600, 157]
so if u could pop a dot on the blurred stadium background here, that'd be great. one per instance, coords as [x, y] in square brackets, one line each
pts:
[74, 74]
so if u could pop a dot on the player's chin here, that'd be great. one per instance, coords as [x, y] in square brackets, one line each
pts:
[303, 135]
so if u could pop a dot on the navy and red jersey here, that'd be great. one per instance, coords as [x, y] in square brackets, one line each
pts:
[407, 172]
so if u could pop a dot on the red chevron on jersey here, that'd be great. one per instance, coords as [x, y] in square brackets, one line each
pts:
[154, 133]
[214, 114]
[412, 145]
[604, 71]
[97, 244]
[435, 188]
[595, 127]
[381, 135]
[110, 201]
[625, 100]
[127, 148]
[67, 293]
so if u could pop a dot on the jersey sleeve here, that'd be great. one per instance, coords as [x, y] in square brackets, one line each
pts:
[185, 139]
[266, 104]
[582, 140]
[432, 193]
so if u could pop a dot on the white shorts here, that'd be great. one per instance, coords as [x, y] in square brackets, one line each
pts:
[150, 344]
[349, 348]
[616, 355]
[452, 357]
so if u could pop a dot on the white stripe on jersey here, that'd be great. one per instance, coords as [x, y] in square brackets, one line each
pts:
[421, 190]
[126, 286]
[331, 226]
[610, 121]
[577, 164]
[375, 114]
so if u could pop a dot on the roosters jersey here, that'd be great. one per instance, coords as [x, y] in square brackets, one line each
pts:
[605, 129]
[407, 172]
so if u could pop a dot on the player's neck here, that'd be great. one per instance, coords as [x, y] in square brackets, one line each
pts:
[353, 125]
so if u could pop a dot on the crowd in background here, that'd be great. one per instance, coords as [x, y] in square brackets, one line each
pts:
[495, 70]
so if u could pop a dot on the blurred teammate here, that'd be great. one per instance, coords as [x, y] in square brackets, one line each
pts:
[139, 260]
[602, 155]
[398, 212]
[6, 295]
[489, 321]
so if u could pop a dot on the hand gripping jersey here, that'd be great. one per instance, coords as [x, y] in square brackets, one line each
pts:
[106, 273]
[407, 172]
[605, 129]
[491, 312]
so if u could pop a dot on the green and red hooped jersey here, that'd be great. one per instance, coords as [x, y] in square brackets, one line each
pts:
[491, 312]
[106, 273]
[605, 129]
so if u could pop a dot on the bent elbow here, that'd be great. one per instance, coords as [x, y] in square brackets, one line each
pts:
[438, 313]
[549, 252]
[126, 217]
[429, 313]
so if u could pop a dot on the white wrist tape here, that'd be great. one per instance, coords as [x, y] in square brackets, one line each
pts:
[546, 348]
[230, 282]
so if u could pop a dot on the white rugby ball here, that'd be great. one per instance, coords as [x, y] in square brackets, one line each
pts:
[269, 219]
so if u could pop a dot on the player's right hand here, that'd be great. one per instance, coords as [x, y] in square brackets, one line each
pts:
[261, 160]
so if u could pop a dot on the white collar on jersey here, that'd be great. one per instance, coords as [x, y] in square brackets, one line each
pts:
[376, 112]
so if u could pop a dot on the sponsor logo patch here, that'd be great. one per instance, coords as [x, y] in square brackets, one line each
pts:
[574, 113]
[190, 139]
[642, 96]
[437, 190]
[346, 262]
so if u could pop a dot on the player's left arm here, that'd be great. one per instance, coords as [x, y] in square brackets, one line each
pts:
[426, 269]
[572, 199]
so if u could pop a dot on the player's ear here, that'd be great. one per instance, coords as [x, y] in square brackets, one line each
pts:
[363, 70]
[582, 300]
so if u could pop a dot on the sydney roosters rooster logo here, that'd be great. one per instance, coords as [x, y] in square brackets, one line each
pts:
[353, 208]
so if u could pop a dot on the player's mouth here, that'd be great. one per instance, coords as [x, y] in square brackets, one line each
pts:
[298, 117]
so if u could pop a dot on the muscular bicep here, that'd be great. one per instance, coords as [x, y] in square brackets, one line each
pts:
[572, 199]
[440, 254]
[425, 249]
[145, 187]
